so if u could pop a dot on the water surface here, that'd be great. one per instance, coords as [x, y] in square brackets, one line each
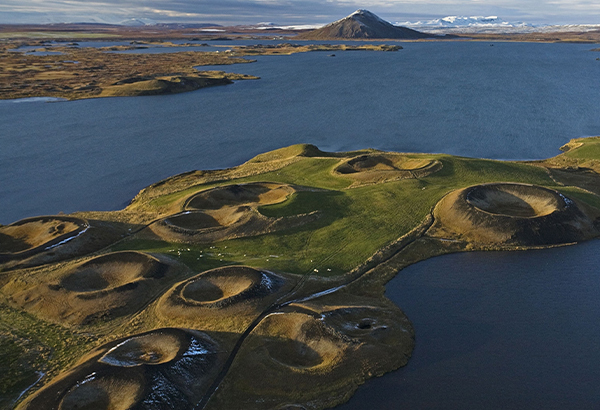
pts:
[497, 330]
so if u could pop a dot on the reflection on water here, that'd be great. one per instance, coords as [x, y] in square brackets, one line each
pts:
[501, 330]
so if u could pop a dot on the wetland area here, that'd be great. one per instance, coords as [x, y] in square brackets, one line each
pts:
[291, 252]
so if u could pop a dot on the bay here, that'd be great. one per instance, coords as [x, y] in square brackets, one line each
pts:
[497, 330]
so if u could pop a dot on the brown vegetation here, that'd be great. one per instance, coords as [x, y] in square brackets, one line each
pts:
[512, 214]
[223, 299]
[229, 211]
[164, 367]
[51, 239]
[383, 167]
[99, 289]
[316, 352]
[90, 72]
[31, 234]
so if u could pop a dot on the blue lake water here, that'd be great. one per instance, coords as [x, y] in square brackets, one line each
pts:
[498, 330]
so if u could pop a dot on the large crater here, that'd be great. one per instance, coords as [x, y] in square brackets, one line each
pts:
[521, 201]
[512, 214]
[160, 369]
[382, 167]
[114, 270]
[300, 341]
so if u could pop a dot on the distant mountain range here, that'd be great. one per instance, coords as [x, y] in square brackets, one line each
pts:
[362, 24]
[463, 21]
[492, 24]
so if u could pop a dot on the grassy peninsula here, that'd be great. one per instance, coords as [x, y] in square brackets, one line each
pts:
[275, 267]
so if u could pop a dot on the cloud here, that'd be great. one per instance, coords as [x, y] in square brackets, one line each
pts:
[289, 11]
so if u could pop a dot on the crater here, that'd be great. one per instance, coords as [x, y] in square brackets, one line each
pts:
[294, 353]
[113, 270]
[239, 194]
[511, 214]
[300, 341]
[39, 233]
[193, 221]
[150, 349]
[522, 201]
[382, 162]
[224, 286]
[361, 323]
[103, 393]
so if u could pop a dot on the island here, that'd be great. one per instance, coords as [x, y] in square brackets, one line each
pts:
[71, 72]
[261, 286]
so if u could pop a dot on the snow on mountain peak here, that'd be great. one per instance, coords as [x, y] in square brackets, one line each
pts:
[465, 21]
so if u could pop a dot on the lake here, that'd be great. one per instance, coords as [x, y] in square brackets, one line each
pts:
[497, 330]
[509, 101]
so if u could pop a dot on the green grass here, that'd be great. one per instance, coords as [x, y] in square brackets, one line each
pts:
[29, 345]
[311, 172]
[576, 193]
[355, 223]
[589, 150]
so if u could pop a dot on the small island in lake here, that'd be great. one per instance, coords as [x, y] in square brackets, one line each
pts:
[274, 268]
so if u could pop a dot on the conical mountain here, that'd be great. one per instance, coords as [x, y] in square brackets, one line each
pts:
[363, 24]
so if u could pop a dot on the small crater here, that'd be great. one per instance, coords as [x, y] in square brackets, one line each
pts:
[150, 349]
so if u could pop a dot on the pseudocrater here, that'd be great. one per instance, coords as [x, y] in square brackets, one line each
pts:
[300, 341]
[225, 286]
[113, 271]
[512, 214]
[104, 393]
[193, 221]
[242, 194]
[229, 211]
[149, 349]
[31, 235]
[381, 167]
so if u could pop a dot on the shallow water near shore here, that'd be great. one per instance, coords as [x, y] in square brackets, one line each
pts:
[497, 330]
[510, 101]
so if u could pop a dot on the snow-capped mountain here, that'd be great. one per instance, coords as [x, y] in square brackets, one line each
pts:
[138, 22]
[464, 21]
[486, 24]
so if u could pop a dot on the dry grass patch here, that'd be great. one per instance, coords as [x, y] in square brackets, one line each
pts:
[101, 289]
[238, 195]
[382, 167]
[315, 354]
[32, 233]
[223, 299]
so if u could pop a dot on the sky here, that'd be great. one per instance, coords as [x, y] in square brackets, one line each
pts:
[234, 12]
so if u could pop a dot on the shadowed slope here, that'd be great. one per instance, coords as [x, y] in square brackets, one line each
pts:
[363, 24]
